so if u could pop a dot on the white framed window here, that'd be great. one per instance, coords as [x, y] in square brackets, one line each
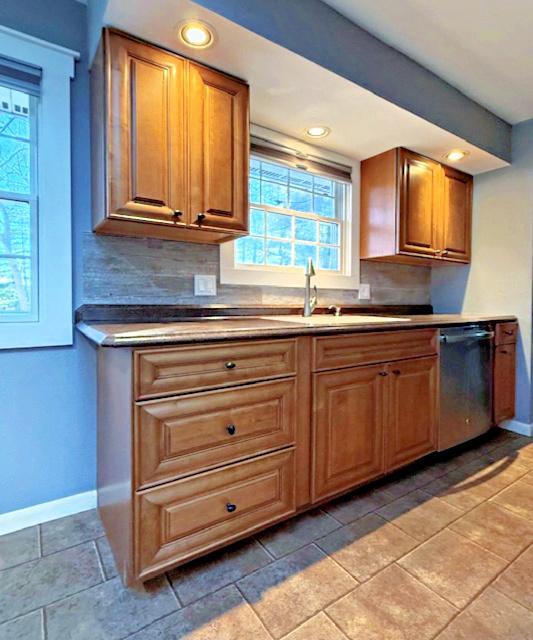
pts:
[35, 192]
[297, 210]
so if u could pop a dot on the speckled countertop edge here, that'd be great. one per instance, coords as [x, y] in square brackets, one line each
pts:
[240, 328]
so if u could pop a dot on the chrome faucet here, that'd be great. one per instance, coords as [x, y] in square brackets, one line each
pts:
[310, 301]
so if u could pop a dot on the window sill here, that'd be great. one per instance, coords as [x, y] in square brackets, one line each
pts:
[289, 278]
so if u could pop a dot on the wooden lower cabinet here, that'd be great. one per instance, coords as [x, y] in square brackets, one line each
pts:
[186, 518]
[504, 382]
[412, 411]
[347, 429]
[193, 454]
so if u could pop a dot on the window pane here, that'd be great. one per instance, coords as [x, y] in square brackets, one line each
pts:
[301, 200]
[325, 206]
[15, 228]
[250, 250]
[302, 252]
[257, 222]
[13, 125]
[255, 191]
[323, 186]
[274, 194]
[305, 229]
[255, 168]
[279, 225]
[278, 253]
[301, 179]
[274, 172]
[15, 285]
[15, 165]
[329, 259]
[329, 233]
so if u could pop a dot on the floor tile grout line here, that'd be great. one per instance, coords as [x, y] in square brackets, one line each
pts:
[250, 604]
[44, 629]
[100, 562]
[173, 591]
[334, 622]
[265, 549]
[39, 541]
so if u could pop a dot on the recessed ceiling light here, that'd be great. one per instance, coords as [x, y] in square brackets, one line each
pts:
[318, 131]
[456, 155]
[197, 34]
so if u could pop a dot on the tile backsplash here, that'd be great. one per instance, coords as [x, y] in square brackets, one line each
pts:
[144, 271]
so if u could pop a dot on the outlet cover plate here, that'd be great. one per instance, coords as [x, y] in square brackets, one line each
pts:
[364, 292]
[205, 285]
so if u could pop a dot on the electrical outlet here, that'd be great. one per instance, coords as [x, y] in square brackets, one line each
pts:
[364, 292]
[205, 285]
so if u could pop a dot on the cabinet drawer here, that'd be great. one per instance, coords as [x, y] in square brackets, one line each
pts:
[182, 435]
[334, 352]
[160, 372]
[178, 521]
[506, 333]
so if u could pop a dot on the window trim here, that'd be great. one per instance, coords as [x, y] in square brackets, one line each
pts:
[54, 325]
[275, 276]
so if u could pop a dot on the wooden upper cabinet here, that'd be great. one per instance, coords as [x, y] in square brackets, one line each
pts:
[414, 210]
[169, 142]
[419, 204]
[219, 143]
[456, 215]
[147, 165]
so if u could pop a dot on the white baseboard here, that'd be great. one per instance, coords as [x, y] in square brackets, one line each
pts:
[22, 518]
[522, 428]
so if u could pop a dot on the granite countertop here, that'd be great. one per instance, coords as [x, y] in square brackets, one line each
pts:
[240, 327]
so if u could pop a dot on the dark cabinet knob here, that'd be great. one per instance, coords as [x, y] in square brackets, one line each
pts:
[200, 218]
[231, 507]
[503, 351]
[231, 429]
[230, 365]
[508, 333]
[383, 373]
[177, 213]
[396, 372]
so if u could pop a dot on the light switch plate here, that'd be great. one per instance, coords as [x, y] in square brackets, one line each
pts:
[364, 292]
[205, 285]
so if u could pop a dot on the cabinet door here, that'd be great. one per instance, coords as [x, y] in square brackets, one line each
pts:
[419, 204]
[218, 127]
[146, 133]
[348, 429]
[411, 430]
[456, 215]
[504, 382]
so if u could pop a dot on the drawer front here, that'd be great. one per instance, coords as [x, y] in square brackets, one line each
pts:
[188, 434]
[506, 333]
[160, 372]
[181, 520]
[334, 352]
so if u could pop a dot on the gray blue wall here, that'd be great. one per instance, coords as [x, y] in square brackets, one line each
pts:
[47, 396]
[499, 280]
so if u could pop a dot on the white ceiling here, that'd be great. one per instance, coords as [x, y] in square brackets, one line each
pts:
[290, 93]
[482, 47]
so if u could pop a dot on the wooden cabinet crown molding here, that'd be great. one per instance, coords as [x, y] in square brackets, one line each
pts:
[414, 210]
[170, 145]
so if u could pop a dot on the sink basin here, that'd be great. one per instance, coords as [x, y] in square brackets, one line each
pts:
[331, 320]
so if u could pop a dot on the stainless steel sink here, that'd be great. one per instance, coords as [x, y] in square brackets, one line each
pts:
[331, 320]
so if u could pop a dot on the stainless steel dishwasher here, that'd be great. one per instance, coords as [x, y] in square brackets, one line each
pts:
[465, 383]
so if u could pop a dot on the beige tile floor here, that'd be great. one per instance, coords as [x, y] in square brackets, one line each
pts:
[443, 550]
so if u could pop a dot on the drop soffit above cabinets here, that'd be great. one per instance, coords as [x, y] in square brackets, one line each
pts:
[290, 93]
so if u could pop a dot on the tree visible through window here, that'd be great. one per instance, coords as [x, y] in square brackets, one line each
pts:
[18, 250]
[294, 215]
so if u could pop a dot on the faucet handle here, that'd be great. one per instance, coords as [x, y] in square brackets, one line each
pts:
[337, 310]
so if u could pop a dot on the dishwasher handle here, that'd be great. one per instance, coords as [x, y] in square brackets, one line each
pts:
[478, 335]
